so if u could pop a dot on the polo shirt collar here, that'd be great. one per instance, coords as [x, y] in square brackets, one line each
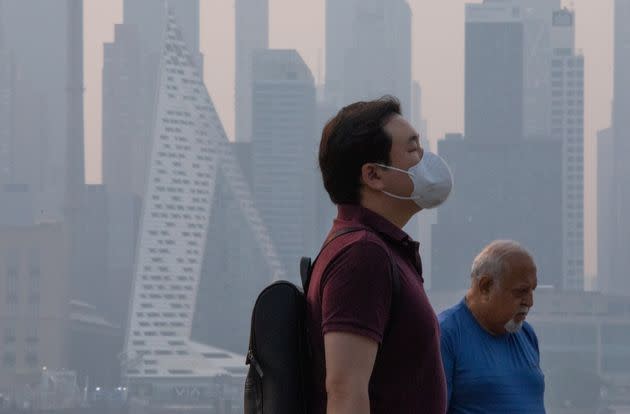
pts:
[358, 214]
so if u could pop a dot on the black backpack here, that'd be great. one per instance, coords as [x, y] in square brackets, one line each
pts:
[278, 379]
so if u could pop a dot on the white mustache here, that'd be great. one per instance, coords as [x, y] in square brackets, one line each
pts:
[524, 310]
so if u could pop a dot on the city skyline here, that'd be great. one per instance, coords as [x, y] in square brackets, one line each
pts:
[300, 25]
[159, 166]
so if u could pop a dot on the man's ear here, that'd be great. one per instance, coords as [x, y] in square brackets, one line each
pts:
[372, 176]
[485, 284]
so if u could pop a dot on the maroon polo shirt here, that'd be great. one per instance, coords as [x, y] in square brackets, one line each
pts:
[351, 291]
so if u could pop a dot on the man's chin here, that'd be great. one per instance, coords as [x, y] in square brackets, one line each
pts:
[514, 325]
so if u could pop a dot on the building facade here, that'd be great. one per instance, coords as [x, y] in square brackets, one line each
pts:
[284, 148]
[251, 33]
[191, 165]
[34, 305]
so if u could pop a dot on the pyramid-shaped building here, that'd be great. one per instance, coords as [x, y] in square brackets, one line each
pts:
[203, 251]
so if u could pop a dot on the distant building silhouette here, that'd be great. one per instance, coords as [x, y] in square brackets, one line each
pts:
[368, 51]
[251, 33]
[46, 142]
[606, 278]
[494, 73]
[203, 250]
[284, 147]
[506, 186]
[34, 303]
[614, 222]
[130, 75]
[567, 127]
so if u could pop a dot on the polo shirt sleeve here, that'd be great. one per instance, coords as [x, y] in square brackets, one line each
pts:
[447, 349]
[357, 291]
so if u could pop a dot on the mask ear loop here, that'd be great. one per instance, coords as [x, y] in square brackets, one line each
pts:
[397, 196]
[396, 169]
[402, 171]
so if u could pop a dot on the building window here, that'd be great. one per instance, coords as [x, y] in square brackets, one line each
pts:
[31, 359]
[32, 339]
[12, 285]
[8, 360]
[9, 336]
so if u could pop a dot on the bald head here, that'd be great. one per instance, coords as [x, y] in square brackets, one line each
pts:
[498, 259]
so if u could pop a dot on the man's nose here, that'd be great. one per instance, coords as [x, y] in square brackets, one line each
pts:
[529, 300]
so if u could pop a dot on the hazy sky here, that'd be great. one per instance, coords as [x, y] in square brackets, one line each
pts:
[438, 64]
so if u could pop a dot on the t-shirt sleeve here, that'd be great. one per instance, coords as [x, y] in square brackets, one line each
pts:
[447, 349]
[357, 291]
[531, 334]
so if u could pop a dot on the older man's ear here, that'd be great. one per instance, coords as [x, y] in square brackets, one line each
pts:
[485, 284]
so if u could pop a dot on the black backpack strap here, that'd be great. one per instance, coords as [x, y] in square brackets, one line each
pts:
[306, 264]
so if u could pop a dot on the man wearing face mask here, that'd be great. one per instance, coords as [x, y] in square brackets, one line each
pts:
[490, 354]
[373, 334]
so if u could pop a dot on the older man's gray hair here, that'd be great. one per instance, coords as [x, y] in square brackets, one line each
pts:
[494, 259]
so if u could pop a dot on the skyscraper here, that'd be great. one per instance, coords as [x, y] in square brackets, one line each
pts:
[130, 73]
[567, 116]
[74, 148]
[251, 34]
[417, 116]
[124, 125]
[607, 280]
[504, 29]
[368, 51]
[537, 28]
[621, 127]
[492, 199]
[495, 170]
[7, 90]
[34, 303]
[494, 72]
[48, 148]
[284, 148]
[149, 16]
[197, 201]
[339, 38]
[613, 249]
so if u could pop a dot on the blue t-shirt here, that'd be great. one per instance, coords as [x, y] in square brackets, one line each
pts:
[486, 373]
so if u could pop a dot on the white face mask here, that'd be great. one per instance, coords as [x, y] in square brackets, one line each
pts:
[432, 181]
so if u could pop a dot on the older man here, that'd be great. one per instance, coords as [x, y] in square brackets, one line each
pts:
[490, 354]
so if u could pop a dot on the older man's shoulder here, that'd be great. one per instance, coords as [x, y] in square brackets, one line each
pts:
[452, 316]
[529, 332]
[529, 329]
